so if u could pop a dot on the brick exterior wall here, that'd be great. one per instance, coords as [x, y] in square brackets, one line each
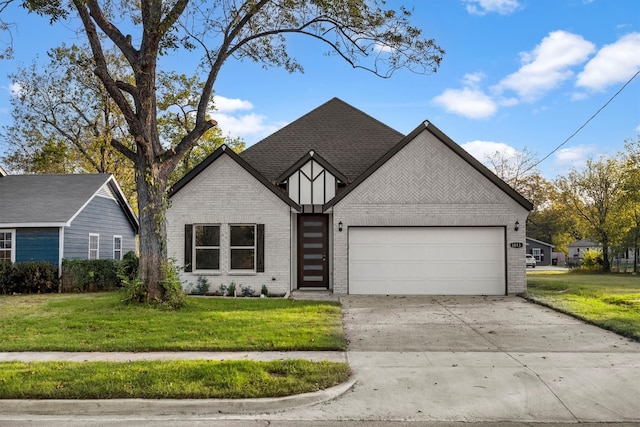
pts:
[225, 193]
[427, 184]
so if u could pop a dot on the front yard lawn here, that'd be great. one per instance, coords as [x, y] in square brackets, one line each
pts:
[99, 322]
[611, 301]
[194, 379]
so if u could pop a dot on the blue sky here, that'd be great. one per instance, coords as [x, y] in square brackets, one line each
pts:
[517, 74]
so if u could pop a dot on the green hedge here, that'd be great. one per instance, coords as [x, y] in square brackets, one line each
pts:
[77, 275]
[81, 275]
[36, 277]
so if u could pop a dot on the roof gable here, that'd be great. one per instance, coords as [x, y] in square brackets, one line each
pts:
[348, 139]
[448, 142]
[224, 150]
[540, 242]
[55, 199]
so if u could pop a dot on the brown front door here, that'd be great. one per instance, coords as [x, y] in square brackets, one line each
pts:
[313, 249]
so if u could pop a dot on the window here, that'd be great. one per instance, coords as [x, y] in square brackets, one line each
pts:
[242, 242]
[536, 254]
[117, 247]
[7, 245]
[207, 247]
[94, 244]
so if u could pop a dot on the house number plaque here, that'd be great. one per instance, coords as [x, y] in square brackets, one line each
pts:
[516, 244]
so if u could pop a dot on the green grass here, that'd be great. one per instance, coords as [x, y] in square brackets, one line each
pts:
[611, 301]
[167, 380]
[100, 322]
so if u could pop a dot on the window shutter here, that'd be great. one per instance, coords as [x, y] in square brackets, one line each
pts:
[260, 248]
[188, 245]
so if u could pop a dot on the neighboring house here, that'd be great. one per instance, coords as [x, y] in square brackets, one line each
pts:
[337, 200]
[541, 251]
[579, 247]
[51, 217]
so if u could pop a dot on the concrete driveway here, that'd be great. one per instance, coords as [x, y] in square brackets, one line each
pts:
[480, 359]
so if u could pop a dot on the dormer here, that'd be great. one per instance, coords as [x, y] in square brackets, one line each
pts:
[311, 182]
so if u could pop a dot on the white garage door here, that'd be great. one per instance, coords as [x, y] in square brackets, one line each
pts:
[427, 260]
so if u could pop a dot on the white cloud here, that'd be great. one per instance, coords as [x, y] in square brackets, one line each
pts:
[251, 127]
[469, 102]
[482, 7]
[574, 157]
[229, 105]
[546, 66]
[482, 149]
[614, 63]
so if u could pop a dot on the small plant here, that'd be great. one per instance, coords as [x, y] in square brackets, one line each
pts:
[231, 290]
[202, 287]
[133, 291]
[264, 291]
[247, 291]
[175, 296]
[222, 290]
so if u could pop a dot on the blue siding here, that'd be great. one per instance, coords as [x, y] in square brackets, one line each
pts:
[37, 244]
[103, 216]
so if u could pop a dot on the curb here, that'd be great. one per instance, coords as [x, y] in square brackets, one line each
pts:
[155, 407]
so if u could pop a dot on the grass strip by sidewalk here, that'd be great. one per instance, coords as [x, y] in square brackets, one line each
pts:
[100, 322]
[193, 379]
[611, 301]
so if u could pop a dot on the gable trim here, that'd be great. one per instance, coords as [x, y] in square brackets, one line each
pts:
[449, 143]
[223, 149]
[124, 204]
[311, 155]
[540, 242]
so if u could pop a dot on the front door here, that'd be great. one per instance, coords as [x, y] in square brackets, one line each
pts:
[313, 249]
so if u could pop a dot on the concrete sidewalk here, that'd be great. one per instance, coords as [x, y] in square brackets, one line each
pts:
[265, 356]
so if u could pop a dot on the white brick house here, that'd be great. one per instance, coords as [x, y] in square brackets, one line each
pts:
[337, 200]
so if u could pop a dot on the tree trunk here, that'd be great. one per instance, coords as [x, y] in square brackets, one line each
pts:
[606, 265]
[153, 230]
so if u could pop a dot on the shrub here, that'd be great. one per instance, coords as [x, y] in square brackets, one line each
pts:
[247, 291]
[231, 290]
[82, 275]
[34, 277]
[202, 287]
[175, 296]
[129, 265]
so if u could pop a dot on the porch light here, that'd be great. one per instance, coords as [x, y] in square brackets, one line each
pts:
[340, 226]
[517, 226]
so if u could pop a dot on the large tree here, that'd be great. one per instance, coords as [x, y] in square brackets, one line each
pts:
[77, 119]
[631, 197]
[362, 32]
[594, 195]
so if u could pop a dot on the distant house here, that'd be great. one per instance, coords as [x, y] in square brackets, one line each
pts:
[541, 251]
[579, 247]
[51, 217]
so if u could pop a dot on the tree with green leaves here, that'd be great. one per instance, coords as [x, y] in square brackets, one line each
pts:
[364, 33]
[594, 195]
[77, 119]
[631, 197]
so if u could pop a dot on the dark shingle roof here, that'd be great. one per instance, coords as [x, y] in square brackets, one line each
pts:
[42, 199]
[344, 136]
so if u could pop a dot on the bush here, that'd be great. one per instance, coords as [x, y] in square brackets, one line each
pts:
[36, 277]
[129, 265]
[96, 275]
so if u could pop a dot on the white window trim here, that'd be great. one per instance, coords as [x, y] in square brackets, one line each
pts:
[13, 243]
[254, 247]
[537, 254]
[194, 248]
[97, 246]
[114, 247]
